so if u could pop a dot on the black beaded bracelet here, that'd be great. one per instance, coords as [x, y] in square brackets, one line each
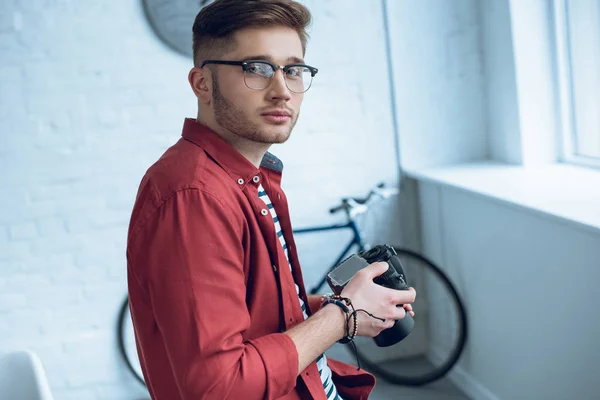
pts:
[337, 303]
[348, 316]
[349, 337]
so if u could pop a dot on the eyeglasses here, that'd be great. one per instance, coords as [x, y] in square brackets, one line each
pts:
[258, 74]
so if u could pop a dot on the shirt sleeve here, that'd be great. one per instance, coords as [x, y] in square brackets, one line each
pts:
[190, 260]
[314, 302]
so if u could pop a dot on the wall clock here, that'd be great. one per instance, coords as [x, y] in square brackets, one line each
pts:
[172, 21]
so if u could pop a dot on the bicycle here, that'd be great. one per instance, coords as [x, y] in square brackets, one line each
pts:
[410, 362]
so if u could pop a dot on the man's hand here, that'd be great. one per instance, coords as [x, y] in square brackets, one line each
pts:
[377, 300]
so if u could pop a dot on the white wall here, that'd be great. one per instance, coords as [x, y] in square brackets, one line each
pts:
[502, 111]
[522, 104]
[584, 19]
[529, 283]
[89, 99]
[528, 279]
[440, 97]
[532, 31]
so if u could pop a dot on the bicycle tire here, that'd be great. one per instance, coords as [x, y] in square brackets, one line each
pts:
[124, 317]
[440, 371]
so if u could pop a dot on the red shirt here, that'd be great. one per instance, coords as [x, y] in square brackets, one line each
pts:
[210, 289]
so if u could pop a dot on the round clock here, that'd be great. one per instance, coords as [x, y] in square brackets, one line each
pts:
[172, 21]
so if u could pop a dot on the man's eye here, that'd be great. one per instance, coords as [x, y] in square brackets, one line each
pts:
[260, 69]
[295, 72]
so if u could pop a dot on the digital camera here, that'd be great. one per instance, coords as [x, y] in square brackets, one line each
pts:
[393, 278]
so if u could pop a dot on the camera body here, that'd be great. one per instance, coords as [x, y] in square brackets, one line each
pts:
[393, 278]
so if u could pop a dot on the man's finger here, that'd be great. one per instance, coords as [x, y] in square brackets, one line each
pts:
[374, 270]
[405, 296]
[409, 309]
[400, 313]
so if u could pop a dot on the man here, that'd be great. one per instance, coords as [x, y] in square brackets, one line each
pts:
[216, 292]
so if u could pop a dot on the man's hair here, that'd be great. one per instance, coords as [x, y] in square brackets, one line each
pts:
[216, 23]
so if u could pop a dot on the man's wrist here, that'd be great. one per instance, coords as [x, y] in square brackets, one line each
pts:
[336, 317]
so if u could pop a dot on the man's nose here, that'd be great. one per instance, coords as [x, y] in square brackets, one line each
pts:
[278, 88]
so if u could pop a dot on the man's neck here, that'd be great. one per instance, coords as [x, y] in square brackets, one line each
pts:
[252, 151]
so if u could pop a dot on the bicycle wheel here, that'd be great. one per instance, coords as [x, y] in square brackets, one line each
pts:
[438, 337]
[126, 340]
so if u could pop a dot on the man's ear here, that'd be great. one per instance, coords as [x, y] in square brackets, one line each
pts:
[201, 82]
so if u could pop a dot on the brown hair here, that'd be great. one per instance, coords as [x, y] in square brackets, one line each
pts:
[216, 23]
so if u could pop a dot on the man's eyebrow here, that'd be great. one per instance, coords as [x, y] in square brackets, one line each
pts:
[295, 60]
[290, 60]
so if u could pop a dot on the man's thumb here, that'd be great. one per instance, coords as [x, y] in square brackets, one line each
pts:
[376, 269]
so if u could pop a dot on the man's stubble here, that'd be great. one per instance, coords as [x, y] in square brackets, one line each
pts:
[235, 121]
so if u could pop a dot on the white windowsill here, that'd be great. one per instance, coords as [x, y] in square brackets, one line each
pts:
[567, 192]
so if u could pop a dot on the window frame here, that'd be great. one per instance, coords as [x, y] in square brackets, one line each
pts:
[568, 132]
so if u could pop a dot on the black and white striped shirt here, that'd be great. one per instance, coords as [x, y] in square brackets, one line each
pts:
[324, 371]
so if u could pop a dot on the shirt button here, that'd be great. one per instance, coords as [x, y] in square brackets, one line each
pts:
[256, 179]
[241, 181]
[264, 211]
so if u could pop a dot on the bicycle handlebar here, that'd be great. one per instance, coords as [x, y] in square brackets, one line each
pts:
[380, 191]
[334, 210]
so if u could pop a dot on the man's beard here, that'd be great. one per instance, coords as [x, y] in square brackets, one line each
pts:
[235, 121]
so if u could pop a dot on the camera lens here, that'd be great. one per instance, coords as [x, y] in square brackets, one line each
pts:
[377, 253]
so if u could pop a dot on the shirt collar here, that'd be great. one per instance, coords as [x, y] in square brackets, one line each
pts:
[231, 160]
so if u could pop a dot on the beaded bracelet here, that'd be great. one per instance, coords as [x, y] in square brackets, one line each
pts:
[349, 337]
[355, 331]
[344, 299]
[353, 314]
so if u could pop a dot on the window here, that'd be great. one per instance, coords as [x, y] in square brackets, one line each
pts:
[577, 25]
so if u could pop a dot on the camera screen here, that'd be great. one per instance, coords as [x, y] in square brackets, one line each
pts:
[346, 270]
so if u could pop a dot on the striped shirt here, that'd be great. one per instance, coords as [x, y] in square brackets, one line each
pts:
[324, 371]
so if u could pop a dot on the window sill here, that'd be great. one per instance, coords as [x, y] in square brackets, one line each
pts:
[561, 191]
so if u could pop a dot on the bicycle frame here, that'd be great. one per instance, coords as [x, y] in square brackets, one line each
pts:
[357, 240]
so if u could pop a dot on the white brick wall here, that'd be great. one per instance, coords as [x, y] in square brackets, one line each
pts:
[439, 80]
[81, 116]
[88, 100]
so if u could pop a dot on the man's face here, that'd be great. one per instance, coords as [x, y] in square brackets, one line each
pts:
[258, 115]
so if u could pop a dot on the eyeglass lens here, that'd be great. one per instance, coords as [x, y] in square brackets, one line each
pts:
[258, 76]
